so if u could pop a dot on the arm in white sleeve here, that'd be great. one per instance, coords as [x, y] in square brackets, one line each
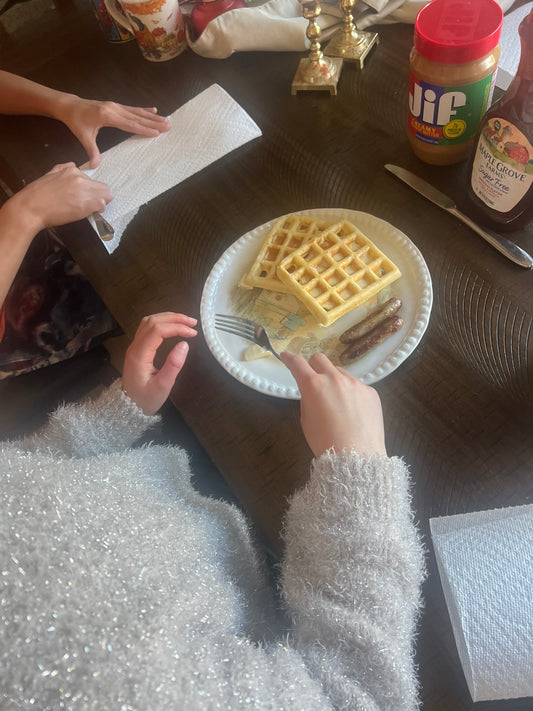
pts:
[110, 423]
[351, 580]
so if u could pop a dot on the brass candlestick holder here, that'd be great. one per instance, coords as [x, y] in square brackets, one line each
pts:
[316, 72]
[350, 43]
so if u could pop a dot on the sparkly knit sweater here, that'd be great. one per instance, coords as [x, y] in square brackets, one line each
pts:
[125, 589]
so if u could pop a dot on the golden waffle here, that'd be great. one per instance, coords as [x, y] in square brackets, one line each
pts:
[336, 272]
[287, 234]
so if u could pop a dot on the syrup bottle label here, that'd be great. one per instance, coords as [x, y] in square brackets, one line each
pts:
[445, 116]
[502, 169]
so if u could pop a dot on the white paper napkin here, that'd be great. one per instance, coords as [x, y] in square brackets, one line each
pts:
[485, 561]
[138, 169]
[510, 43]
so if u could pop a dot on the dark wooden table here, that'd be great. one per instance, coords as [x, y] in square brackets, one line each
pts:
[459, 409]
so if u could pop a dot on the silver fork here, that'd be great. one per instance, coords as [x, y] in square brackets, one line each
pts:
[246, 329]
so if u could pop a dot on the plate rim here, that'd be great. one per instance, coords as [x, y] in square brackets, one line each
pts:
[377, 373]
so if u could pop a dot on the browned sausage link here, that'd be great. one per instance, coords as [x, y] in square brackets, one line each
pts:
[370, 340]
[378, 315]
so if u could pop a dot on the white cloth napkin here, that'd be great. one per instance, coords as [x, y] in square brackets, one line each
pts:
[485, 562]
[138, 169]
[278, 25]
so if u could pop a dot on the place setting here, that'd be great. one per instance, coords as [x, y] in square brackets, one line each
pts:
[369, 264]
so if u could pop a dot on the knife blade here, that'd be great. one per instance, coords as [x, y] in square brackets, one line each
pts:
[511, 250]
[105, 230]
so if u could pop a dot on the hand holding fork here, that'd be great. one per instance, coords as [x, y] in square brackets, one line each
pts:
[338, 411]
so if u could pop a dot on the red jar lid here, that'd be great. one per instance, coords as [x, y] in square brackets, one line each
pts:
[458, 31]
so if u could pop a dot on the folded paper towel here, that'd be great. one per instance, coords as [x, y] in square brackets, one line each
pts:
[485, 562]
[138, 169]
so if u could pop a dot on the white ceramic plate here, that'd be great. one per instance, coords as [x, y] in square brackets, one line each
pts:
[267, 375]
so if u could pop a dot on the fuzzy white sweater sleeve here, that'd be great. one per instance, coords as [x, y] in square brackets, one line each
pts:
[109, 423]
[123, 587]
[351, 580]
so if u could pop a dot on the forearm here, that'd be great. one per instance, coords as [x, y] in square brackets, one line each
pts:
[110, 423]
[84, 117]
[16, 235]
[351, 578]
[20, 96]
[63, 195]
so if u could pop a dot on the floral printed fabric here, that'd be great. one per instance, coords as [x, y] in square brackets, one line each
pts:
[51, 312]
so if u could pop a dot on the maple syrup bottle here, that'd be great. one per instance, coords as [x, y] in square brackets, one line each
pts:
[500, 179]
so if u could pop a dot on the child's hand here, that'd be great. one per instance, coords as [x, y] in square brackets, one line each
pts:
[337, 410]
[143, 383]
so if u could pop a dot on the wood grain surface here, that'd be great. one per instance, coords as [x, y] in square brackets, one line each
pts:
[459, 409]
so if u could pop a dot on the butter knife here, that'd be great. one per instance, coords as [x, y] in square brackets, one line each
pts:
[511, 250]
[105, 230]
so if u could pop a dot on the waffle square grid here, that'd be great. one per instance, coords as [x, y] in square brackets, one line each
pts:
[288, 234]
[336, 271]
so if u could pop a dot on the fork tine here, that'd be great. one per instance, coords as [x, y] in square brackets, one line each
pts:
[234, 320]
[235, 332]
[239, 328]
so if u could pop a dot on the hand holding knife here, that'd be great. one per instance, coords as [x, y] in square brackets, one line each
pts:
[511, 250]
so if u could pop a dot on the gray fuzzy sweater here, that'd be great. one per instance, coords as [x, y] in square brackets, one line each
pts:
[124, 589]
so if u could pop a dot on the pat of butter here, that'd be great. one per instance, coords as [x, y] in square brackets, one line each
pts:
[254, 353]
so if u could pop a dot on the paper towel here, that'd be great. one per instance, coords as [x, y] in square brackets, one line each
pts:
[511, 46]
[138, 169]
[485, 562]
